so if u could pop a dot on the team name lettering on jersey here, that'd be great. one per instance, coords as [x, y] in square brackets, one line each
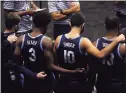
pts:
[31, 42]
[66, 44]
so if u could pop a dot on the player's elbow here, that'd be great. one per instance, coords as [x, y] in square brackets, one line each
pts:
[101, 55]
[77, 9]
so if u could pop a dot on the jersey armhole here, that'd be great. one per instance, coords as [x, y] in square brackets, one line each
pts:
[59, 42]
[23, 42]
[80, 47]
[41, 43]
[119, 51]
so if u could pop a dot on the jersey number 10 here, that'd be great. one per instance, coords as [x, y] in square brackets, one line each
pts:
[69, 57]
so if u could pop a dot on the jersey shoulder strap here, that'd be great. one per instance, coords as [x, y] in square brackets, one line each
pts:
[23, 40]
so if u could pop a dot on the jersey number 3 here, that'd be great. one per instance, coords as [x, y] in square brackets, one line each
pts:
[33, 56]
[69, 57]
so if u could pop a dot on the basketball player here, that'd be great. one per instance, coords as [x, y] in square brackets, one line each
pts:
[70, 50]
[111, 73]
[10, 77]
[36, 51]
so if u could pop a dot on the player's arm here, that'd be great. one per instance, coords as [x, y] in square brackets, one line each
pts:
[74, 7]
[33, 5]
[90, 48]
[122, 49]
[48, 53]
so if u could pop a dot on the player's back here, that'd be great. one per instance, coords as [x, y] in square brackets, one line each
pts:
[114, 61]
[32, 52]
[69, 53]
[112, 66]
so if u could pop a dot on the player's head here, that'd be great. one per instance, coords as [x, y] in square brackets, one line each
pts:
[112, 23]
[41, 19]
[78, 20]
[12, 20]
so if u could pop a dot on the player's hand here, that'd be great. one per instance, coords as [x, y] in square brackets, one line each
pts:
[41, 75]
[120, 38]
[79, 70]
[73, 4]
[30, 11]
[11, 38]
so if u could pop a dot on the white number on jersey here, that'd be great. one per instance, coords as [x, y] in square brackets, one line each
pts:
[69, 57]
[33, 56]
[109, 60]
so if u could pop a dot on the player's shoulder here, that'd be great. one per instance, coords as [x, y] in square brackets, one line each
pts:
[122, 46]
[84, 39]
[47, 41]
[58, 39]
[20, 38]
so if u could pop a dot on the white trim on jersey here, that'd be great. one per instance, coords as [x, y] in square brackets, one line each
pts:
[59, 42]
[119, 51]
[23, 42]
[41, 43]
[97, 42]
[79, 47]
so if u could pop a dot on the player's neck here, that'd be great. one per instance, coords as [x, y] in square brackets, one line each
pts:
[75, 32]
[36, 31]
[111, 35]
[9, 30]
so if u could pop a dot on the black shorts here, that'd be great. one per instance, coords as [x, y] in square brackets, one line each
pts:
[37, 86]
[71, 86]
[114, 87]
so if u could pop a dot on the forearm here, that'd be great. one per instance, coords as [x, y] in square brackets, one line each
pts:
[109, 48]
[21, 13]
[27, 72]
[71, 10]
[58, 16]
[61, 70]
[34, 6]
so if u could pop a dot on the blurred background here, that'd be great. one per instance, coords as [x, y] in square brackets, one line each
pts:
[94, 11]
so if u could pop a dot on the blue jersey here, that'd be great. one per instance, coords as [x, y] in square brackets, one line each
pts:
[70, 55]
[33, 56]
[112, 66]
[32, 52]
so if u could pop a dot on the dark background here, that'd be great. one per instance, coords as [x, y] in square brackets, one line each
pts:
[94, 11]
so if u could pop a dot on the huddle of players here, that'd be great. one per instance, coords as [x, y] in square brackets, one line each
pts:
[37, 57]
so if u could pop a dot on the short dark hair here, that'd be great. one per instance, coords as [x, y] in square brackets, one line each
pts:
[12, 19]
[41, 19]
[77, 19]
[111, 22]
